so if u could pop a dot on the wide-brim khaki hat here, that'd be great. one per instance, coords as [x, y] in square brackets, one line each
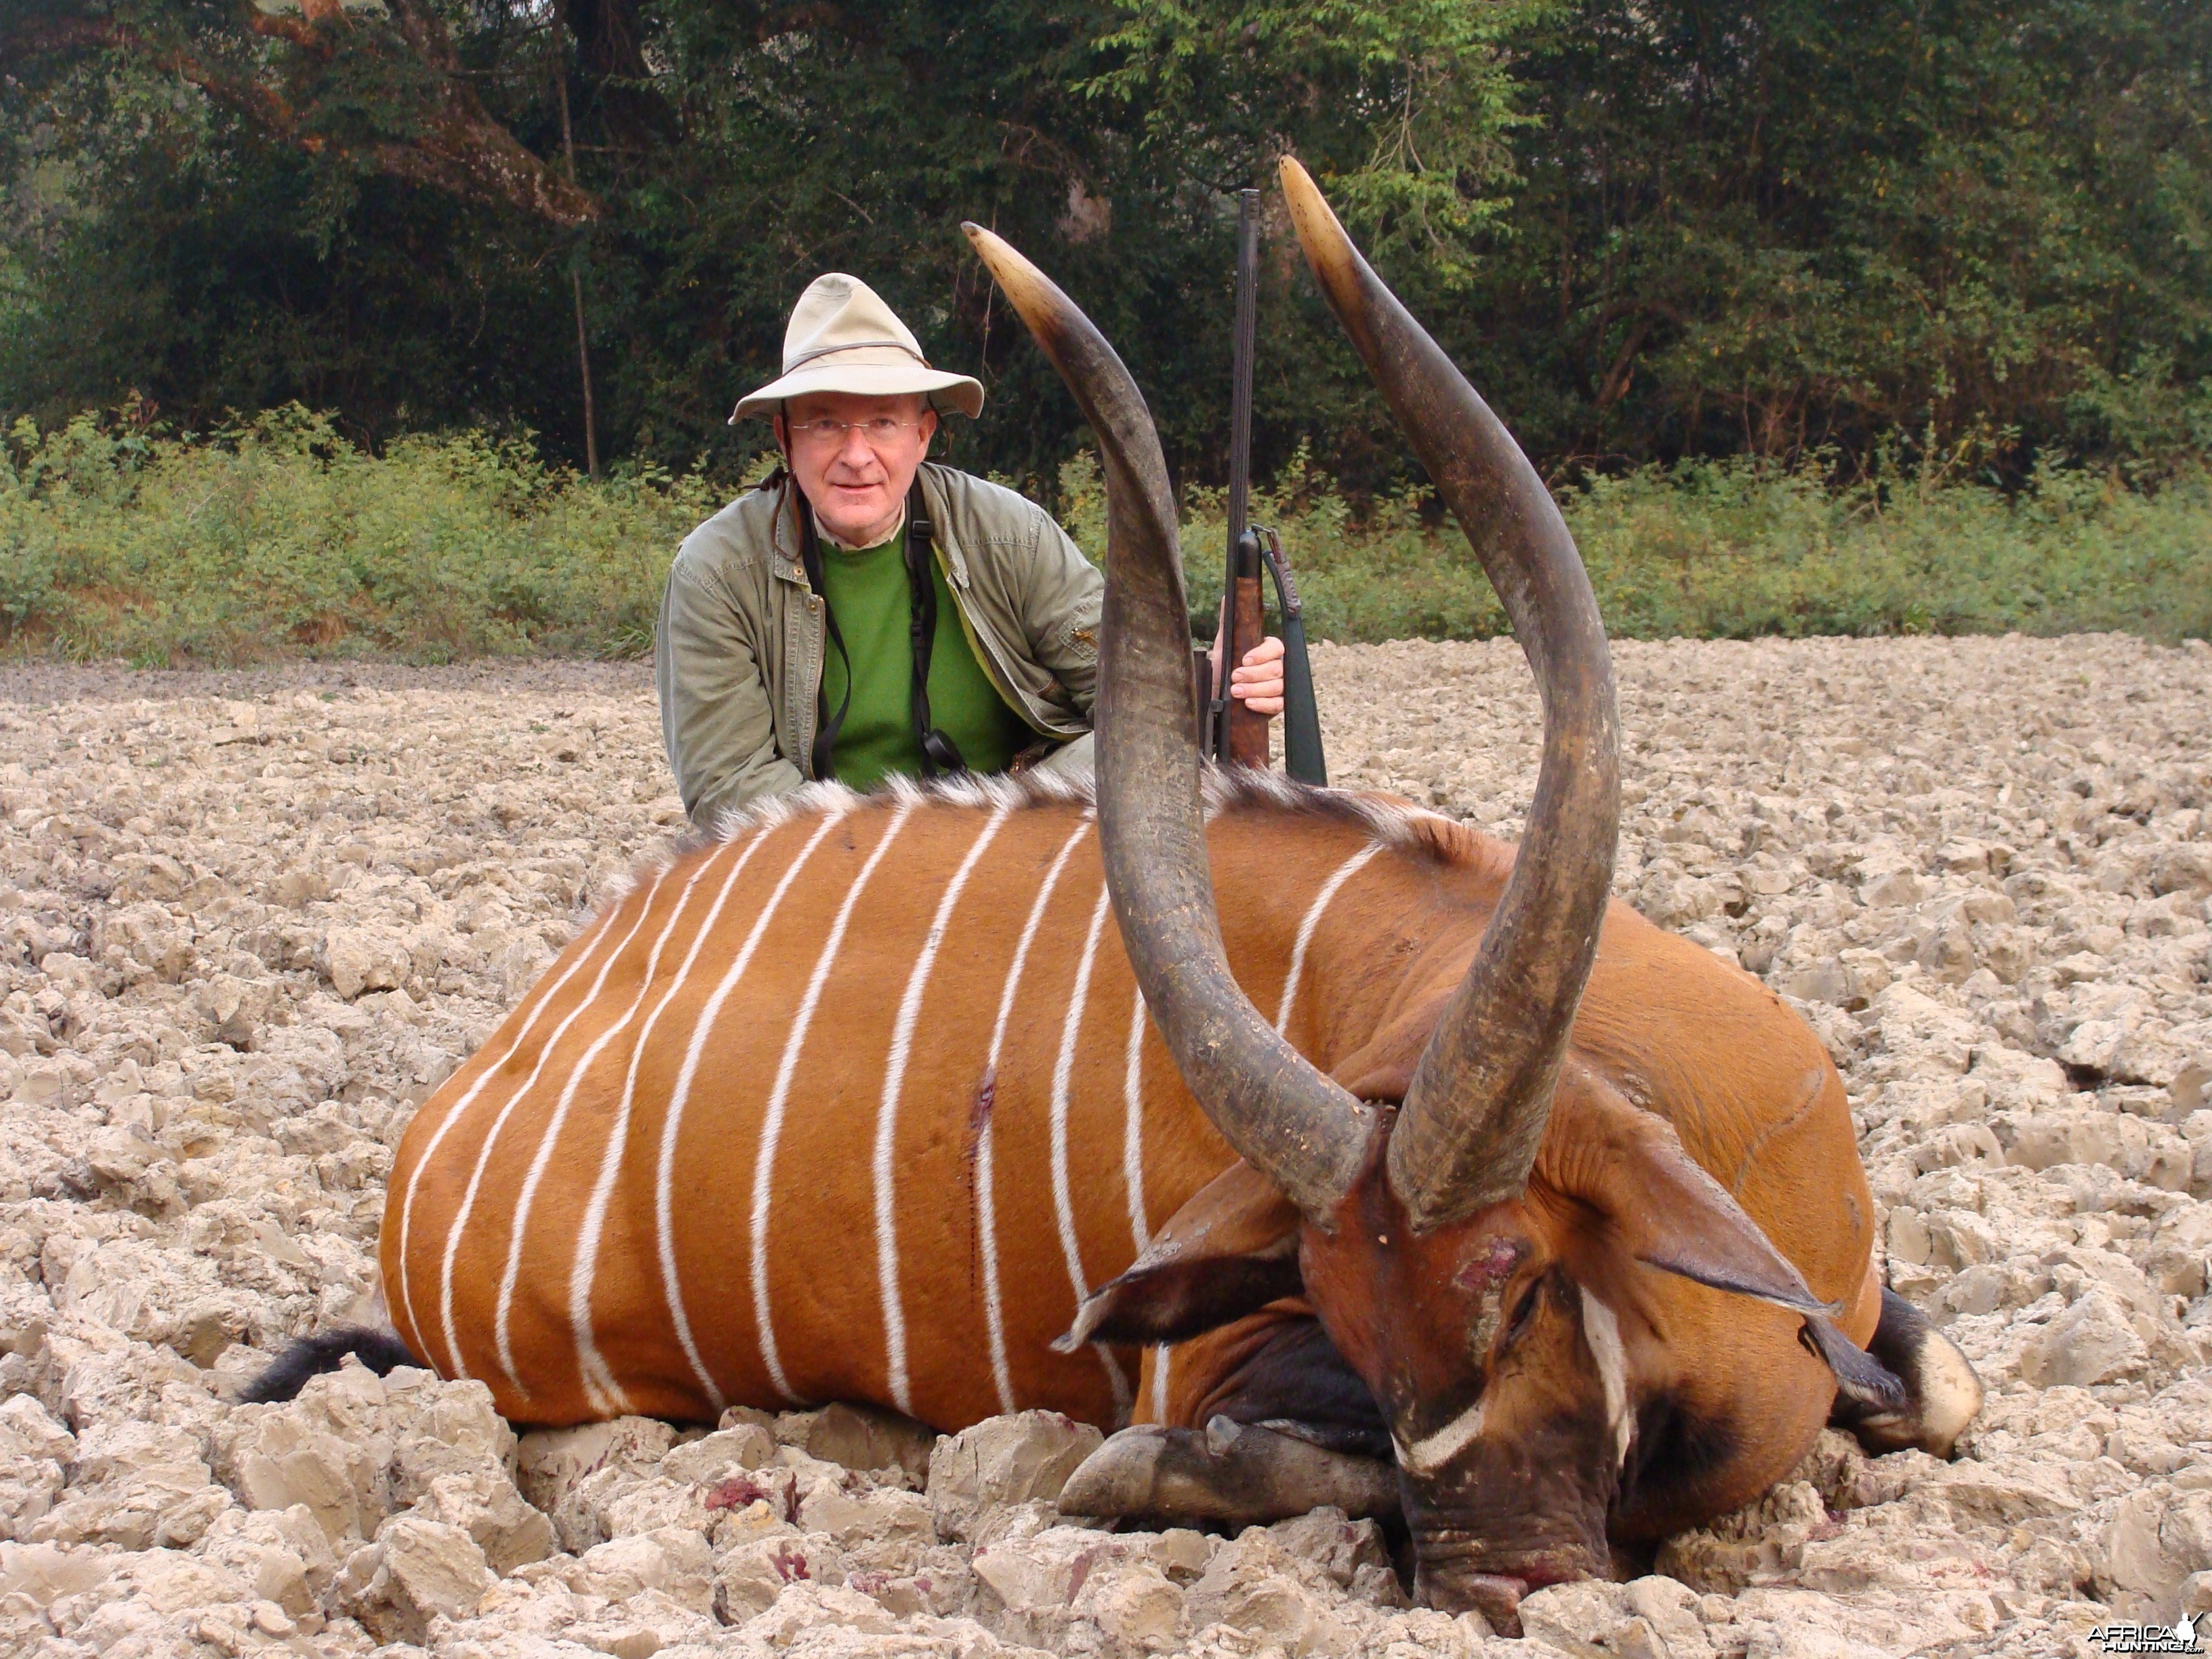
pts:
[842, 337]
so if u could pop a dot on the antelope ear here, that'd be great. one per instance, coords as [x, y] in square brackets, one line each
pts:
[1229, 1251]
[1629, 1165]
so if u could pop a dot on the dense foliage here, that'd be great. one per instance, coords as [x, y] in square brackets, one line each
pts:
[1824, 233]
[276, 537]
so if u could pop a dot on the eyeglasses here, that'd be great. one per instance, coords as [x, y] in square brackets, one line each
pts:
[826, 432]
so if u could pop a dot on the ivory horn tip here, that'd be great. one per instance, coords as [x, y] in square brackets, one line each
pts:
[1329, 249]
[1032, 292]
[1303, 194]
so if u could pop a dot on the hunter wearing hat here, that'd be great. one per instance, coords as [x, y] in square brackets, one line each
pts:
[863, 614]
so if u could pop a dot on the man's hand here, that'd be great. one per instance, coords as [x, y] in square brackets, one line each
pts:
[1257, 682]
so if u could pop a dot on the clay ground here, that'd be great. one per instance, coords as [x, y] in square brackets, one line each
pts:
[248, 921]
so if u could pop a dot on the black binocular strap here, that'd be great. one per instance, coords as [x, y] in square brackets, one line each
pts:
[826, 725]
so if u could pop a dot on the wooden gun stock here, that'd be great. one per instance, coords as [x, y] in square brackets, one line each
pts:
[1245, 742]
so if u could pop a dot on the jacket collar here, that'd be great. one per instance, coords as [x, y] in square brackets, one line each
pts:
[790, 503]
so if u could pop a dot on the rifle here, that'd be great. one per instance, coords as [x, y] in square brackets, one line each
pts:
[1229, 731]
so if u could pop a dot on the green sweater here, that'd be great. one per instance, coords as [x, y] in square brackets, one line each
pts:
[868, 594]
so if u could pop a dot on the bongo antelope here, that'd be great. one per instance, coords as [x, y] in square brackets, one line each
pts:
[1341, 1153]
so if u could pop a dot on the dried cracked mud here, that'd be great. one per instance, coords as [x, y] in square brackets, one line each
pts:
[248, 921]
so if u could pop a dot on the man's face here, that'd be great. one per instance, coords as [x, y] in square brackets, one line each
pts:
[856, 474]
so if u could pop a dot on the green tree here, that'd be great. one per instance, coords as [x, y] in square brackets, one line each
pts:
[1778, 226]
[1650, 228]
[234, 205]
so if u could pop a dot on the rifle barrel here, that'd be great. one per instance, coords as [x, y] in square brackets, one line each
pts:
[1240, 736]
[1243, 348]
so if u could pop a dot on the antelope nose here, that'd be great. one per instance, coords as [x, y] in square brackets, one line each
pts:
[1496, 1596]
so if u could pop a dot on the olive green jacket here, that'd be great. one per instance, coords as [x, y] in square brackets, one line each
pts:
[738, 650]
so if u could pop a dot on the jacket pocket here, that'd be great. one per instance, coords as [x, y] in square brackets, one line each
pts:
[1077, 636]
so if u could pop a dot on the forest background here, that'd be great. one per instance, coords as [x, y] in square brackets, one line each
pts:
[1751, 281]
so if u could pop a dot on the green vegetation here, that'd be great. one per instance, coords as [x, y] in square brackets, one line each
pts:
[1824, 315]
[1736, 549]
[276, 537]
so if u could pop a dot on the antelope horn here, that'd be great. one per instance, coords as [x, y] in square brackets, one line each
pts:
[1286, 1119]
[1474, 1113]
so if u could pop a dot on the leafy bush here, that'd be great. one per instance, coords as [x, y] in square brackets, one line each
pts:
[275, 538]
[1732, 550]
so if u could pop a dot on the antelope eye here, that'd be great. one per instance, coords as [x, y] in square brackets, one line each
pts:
[1523, 1311]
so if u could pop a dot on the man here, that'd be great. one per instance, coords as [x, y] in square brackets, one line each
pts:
[862, 614]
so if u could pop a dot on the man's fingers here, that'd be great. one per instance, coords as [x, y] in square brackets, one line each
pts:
[1259, 684]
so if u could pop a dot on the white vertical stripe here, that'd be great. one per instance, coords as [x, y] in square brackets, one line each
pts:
[1063, 1069]
[665, 1168]
[491, 1139]
[502, 1344]
[1133, 1126]
[1344, 872]
[579, 954]
[986, 1220]
[1118, 1380]
[887, 1257]
[1432, 1452]
[987, 1226]
[1601, 1330]
[1162, 1374]
[599, 1384]
[772, 1125]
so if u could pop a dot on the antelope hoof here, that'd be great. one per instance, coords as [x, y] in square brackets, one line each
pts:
[1234, 1473]
[1943, 1390]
